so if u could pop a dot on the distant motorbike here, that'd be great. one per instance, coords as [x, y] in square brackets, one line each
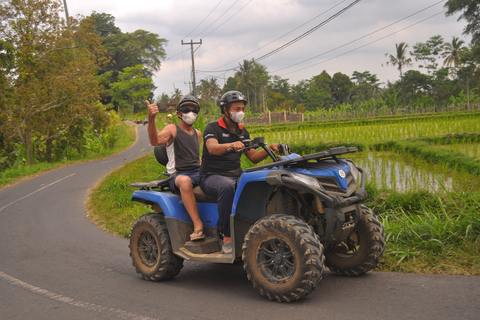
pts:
[289, 220]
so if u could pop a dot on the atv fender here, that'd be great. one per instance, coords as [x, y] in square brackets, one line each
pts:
[172, 206]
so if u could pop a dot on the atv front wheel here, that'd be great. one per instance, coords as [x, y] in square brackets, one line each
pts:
[151, 250]
[283, 258]
[363, 249]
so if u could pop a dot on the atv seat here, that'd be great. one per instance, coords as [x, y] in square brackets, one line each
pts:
[161, 156]
[201, 196]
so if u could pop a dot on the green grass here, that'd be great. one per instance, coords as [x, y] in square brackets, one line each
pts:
[109, 204]
[126, 137]
[431, 233]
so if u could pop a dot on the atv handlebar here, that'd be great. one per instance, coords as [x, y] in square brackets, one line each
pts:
[258, 142]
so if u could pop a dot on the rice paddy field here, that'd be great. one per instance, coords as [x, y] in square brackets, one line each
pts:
[393, 168]
[423, 174]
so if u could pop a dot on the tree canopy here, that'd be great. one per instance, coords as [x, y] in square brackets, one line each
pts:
[53, 77]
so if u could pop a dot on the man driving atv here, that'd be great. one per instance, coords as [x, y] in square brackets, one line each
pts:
[183, 150]
[220, 168]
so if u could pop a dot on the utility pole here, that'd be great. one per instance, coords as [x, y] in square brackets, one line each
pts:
[66, 11]
[191, 43]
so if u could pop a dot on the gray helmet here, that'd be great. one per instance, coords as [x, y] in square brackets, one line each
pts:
[231, 96]
[188, 100]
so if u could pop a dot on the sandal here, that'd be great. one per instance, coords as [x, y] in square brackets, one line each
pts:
[197, 235]
[227, 248]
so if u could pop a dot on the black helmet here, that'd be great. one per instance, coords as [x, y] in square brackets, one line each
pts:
[188, 101]
[231, 96]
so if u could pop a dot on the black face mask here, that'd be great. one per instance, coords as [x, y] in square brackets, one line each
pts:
[187, 110]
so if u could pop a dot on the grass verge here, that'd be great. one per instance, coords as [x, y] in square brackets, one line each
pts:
[126, 137]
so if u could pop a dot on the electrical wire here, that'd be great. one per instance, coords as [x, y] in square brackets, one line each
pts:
[250, 53]
[223, 14]
[308, 32]
[208, 15]
[299, 37]
[367, 44]
[362, 37]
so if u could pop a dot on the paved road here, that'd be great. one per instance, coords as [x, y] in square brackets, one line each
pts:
[55, 264]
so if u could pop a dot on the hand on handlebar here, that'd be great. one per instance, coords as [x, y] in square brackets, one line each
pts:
[274, 147]
[237, 145]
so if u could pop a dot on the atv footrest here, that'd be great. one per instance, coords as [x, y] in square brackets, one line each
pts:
[205, 246]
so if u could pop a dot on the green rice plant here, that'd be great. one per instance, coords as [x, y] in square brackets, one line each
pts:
[441, 229]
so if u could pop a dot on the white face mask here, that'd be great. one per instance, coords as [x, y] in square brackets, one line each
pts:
[237, 116]
[189, 118]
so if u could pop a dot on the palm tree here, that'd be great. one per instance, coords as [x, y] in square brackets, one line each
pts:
[209, 90]
[246, 77]
[400, 60]
[451, 52]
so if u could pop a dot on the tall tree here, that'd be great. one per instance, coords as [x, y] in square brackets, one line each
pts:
[400, 60]
[470, 66]
[342, 88]
[428, 53]
[126, 50]
[53, 75]
[281, 86]
[470, 12]
[319, 92]
[451, 52]
[104, 24]
[209, 90]
[138, 47]
[132, 88]
[246, 78]
[261, 81]
[364, 77]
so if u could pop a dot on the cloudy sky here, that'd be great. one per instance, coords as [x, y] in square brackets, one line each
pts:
[294, 39]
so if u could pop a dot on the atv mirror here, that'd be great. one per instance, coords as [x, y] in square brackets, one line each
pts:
[258, 140]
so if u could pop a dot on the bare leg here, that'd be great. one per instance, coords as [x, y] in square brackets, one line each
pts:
[185, 186]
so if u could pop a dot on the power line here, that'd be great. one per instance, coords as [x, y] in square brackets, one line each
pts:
[211, 24]
[358, 39]
[208, 15]
[250, 53]
[367, 44]
[299, 37]
[308, 32]
[228, 19]
[215, 21]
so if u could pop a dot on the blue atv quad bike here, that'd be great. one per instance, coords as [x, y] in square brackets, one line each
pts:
[289, 220]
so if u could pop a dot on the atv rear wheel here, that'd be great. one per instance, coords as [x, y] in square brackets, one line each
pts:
[283, 258]
[151, 250]
[363, 249]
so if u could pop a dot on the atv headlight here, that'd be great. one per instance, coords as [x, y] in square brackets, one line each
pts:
[354, 171]
[306, 179]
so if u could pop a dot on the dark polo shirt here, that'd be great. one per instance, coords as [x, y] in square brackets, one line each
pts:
[227, 164]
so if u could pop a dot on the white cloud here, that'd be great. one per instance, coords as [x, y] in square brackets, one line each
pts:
[229, 36]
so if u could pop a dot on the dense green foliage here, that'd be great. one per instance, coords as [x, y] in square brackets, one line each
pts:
[51, 92]
[53, 74]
